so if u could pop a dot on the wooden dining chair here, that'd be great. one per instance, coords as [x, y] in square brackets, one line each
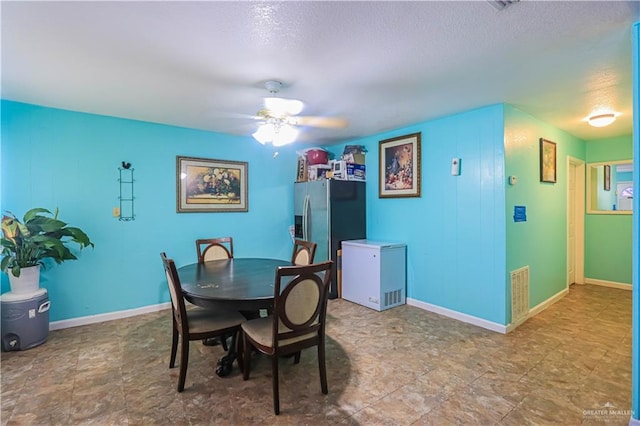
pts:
[214, 248]
[303, 252]
[193, 324]
[297, 321]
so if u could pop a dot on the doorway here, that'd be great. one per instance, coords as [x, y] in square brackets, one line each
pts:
[575, 221]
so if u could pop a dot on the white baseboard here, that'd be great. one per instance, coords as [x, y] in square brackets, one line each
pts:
[93, 319]
[546, 303]
[470, 319]
[604, 283]
[539, 308]
[489, 325]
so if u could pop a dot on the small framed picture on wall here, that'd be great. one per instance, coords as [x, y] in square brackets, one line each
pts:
[548, 170]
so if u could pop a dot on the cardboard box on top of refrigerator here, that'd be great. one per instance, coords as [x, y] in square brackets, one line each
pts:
[354, 158]
[303, 172]
[318, 171]
[348, 171]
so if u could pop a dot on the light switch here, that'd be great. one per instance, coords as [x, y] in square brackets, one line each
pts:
[116, 212]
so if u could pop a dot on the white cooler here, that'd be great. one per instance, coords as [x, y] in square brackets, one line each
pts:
[25, 319]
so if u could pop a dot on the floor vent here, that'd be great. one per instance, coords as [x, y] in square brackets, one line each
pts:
[519, 294]
[393, 297]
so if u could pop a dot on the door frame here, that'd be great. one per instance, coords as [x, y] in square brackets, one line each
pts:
[579, 211]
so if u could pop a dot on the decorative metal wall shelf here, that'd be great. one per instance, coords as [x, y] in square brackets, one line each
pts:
[126, 193]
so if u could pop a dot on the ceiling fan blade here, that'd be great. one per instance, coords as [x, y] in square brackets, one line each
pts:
[330, 122]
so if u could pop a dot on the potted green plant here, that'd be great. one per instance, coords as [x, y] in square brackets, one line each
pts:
[25, 245]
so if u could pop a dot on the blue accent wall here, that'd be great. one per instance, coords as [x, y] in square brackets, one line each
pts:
[54, 158]
[455, 232]
[635, 351]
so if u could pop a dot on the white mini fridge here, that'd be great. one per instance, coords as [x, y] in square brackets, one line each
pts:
[374, 273]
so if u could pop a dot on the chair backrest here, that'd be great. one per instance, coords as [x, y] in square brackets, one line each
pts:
[303, 252]
[300, 304]
[175, 290]
[216, 248]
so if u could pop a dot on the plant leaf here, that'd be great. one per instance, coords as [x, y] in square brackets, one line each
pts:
[33, 213]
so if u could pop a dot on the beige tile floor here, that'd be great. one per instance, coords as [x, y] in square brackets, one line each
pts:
[403, 366]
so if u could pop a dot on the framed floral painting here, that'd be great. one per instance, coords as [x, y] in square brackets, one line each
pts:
[399, 167]
[208, 185]
[547, 161]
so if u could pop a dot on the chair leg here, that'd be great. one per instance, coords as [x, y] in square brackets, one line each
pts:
[296, 358]
[274, 379]
[239, 345]
[246, 362]
[174, 346]
[323, 368]
[184, 360]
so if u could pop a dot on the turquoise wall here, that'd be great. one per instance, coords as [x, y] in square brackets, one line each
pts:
[541, 241]
[455, 232]
[458, 232]
[635, 351]
[53, 158]
[607, 242]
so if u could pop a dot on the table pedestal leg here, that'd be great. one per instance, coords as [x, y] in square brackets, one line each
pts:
[225, 363]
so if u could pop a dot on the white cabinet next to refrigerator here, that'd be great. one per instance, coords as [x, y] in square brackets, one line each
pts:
[374, 273]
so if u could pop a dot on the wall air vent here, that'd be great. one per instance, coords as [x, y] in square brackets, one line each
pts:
[502, 4]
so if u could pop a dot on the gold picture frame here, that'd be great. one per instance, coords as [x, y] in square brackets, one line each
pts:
[548, 160]
[399, 167]
[209, 185]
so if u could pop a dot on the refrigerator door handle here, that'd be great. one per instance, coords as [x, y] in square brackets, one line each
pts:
[305, 217]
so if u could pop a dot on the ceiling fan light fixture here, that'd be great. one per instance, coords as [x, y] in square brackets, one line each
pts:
[278, 133]
[602, 120]
[264, 133]
[280, 107]
[285, 135]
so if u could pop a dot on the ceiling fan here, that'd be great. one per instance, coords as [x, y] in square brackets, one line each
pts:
[279, 118]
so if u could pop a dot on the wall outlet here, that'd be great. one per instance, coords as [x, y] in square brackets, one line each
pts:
[116, 212]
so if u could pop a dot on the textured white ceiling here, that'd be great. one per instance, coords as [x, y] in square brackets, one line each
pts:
[380, 65]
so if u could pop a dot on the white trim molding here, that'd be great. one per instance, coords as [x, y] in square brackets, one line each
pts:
[93, 319]
[604, 283]
[539, 308]
[469, 319]
[489, 325]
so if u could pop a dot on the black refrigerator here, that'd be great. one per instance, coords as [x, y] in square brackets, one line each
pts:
[327, 212]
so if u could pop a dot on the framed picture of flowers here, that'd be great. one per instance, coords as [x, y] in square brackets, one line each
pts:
[208, 185]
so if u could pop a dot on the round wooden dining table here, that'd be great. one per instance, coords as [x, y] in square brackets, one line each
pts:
[239, 283]
[242, 284]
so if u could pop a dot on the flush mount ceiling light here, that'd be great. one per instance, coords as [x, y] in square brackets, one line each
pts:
[602, 120]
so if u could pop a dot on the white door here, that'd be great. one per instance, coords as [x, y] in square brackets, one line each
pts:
[575, 220]
[571, 224]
